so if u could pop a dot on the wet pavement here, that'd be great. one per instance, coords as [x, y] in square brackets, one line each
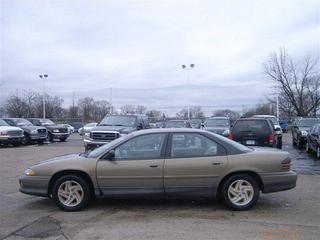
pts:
[302, 162]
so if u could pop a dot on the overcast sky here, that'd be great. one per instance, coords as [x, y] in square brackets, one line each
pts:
[137, 48]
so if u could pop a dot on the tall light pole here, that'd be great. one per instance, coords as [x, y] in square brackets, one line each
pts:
[43, 76]
[188, 68]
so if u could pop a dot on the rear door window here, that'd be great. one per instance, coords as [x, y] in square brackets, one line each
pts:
[256, 127]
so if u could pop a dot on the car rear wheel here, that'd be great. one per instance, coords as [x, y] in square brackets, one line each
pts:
[240, 192]
[71, 193]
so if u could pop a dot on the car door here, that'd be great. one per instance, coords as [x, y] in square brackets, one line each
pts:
[137, 167]
[314, 137]
[193, 163]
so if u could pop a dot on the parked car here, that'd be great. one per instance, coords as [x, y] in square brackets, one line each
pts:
[284, 126]
[76, 125]
[177, 124]
[165, 163]
[87, 128]
[112, 127]
[196, 122]
[276, 126]
[254, 132]
[300, 130]
[313, 140]
[70, 128]
[31, 133]
[219, 125]
[10, 135]
[55, 131]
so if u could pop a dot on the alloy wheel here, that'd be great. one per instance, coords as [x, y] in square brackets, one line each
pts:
[70, 193]
[240, 192]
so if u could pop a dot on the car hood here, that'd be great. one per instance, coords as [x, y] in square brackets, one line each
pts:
[55, 126]
[62, 158]
[304, 129]
[30, 128]
[9, 128]
[121, 129]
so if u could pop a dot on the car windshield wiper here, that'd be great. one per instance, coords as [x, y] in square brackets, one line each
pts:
[119, 125]
[105, 124]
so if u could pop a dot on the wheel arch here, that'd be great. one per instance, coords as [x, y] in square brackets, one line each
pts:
[85, 176]
[248, 172]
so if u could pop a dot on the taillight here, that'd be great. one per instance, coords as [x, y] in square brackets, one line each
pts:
[286, 165]
[230, 136]
[271, 139]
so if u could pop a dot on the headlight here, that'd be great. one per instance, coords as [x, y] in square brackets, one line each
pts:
[87, 134]
[29, 172]
[226, 132]
[304, 133]
[34, 131]
[3, 133]
[55, 130]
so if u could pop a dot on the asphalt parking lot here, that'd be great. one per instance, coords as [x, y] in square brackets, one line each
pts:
[292, 214]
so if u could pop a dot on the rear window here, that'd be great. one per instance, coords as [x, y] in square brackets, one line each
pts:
[257, 127]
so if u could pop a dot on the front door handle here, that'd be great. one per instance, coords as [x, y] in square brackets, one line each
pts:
[153, 166]
[216, 163]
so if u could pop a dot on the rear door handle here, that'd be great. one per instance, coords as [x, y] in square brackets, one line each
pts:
[153, 166]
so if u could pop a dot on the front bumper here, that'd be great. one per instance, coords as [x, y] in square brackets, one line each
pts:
[278, 181]
[9, 139]
[37, 137]
[59, 135]
[34, 185]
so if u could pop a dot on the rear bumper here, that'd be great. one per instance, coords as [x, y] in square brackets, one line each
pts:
[34, 185]
[279, 181]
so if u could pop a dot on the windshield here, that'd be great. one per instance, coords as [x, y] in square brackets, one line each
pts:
[175, 124]
[3, 123]
[118, 121]
[46, 122]
[101, 150]
[308, 122]
[217, 123]
[254, 126]
[22, 122]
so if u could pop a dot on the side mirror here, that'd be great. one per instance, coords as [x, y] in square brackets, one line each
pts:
[109, 156]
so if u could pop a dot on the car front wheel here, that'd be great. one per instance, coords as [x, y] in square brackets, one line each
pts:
[71, 193]
[240, 192]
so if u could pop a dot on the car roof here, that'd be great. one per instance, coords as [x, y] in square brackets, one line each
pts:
[169, 130]
[221, 117]
[252, 118]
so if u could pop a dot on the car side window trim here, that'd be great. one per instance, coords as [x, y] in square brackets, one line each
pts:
[169, 147]
[162, 152]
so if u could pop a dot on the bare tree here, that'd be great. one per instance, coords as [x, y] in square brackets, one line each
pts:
[195, 112]
[233, 115]
[128, 109]
[296, 83]
[140, 109]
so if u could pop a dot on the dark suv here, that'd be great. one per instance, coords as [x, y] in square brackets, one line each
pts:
[55, 131]
[300, 130]
[254, 132]
[112, 127]
[313, 140]
[31, 133]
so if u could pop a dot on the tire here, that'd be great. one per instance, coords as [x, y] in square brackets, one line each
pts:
[308, 150]
[318, 152]
[69, 200]
[40, 142]
[50, 137]
[25, 139]
[300, 144]
[229, 196]
[62, 139]
[279, 143]
[293, 142]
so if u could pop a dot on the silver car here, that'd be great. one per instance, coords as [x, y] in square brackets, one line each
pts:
[163, 163]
